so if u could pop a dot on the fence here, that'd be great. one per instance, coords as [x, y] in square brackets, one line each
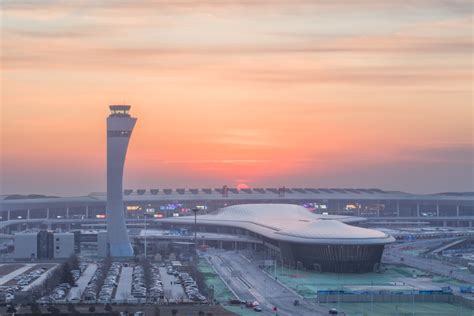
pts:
[395, 298]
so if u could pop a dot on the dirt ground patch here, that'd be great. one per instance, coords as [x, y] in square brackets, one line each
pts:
[9, 268]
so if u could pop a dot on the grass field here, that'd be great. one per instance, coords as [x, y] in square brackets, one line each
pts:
[307, 283]
[221, 292]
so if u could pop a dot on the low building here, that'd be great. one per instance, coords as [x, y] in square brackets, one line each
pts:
[63, 245]
[43, 245]
[26, 246]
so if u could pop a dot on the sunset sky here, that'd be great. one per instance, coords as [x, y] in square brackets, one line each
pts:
[302, 93]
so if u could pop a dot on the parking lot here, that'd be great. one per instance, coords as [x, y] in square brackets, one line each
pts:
[10, 271]
[100, 282]
[156, 289]
[124, 290]
[60, 293]
[107, 291]
[125, 282]
[173, 292]
[76, 292]
[180, 286]
[20, 277]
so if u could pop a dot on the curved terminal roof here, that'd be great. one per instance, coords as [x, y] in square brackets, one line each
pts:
[292, 223]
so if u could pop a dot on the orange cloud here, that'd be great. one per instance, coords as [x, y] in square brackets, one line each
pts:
[267, 91]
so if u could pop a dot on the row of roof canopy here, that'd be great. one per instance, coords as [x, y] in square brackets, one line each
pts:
[256, 190]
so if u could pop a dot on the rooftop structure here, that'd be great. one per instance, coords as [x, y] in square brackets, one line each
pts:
[255, 193]
[451, 209]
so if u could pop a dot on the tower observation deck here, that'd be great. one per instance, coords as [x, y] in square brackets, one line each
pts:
[119, 110]
[119, 129]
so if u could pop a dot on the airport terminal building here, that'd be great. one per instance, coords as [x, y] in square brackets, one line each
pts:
[294, 236]
[450, 209]
[319, 236]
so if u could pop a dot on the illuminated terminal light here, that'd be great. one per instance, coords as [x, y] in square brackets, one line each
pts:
[133, 208]
[171, 207]
[150, 210]
[175, 214]
[158, 215]
[352, 206]
[100, 216]
[312, 205]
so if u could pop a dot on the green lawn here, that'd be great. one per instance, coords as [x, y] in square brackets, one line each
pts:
[221, 292]
[307, 283]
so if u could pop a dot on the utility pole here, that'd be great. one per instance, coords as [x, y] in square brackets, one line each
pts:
[195, 256]
[195, 210]
[145, 235]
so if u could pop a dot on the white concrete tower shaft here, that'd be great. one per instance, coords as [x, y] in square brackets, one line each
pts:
[119, 129]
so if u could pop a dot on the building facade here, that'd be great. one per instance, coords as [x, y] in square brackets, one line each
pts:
[26, 246]
[43, 245]
[64, 245]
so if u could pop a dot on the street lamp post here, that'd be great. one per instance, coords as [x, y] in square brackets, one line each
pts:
[211, 294]
[195, 210]
[145, 234]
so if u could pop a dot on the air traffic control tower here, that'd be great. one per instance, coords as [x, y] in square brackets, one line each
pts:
[119, 129]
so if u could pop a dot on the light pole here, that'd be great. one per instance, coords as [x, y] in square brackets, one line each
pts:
[145, 233]
[265, 286]
[195, 210]
[211, 294]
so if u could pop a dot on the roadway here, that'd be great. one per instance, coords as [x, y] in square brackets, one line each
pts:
[82, 282]
[249, 282]
[124, 287]
[173, 292]
[235, 282]
[395, 255]
[39, 280]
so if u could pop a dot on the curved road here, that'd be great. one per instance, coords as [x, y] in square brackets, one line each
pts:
[395, 255]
